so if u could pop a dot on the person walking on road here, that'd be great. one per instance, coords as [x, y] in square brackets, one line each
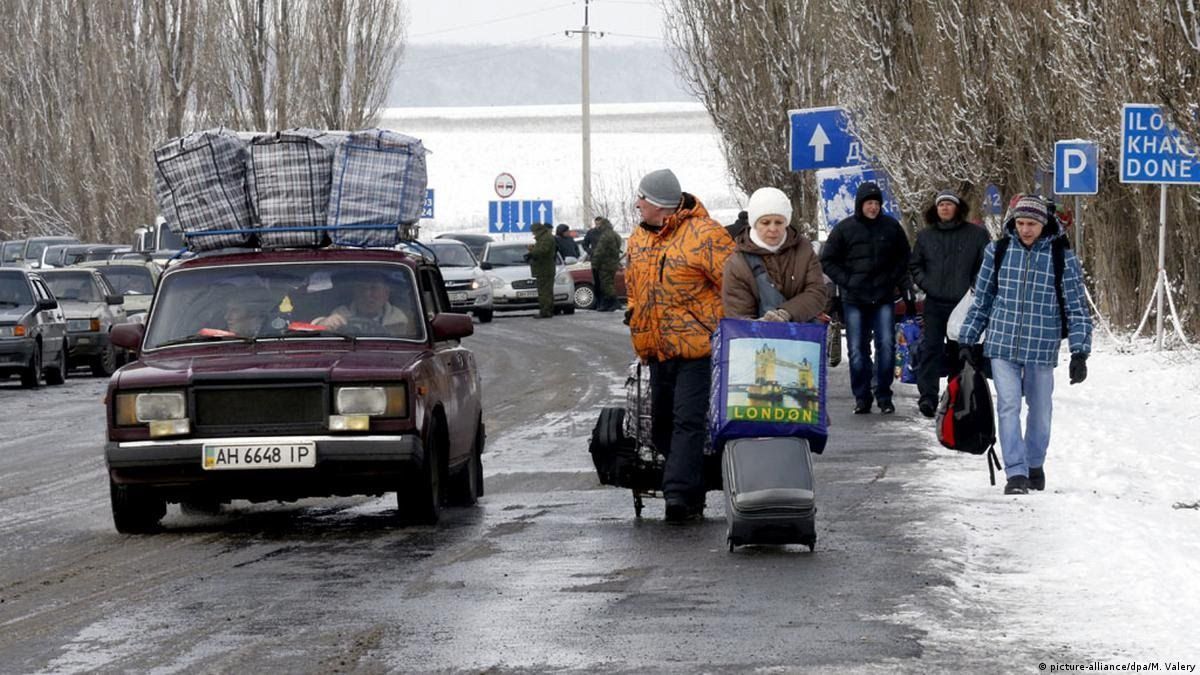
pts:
[1023, 310]
[606, 258]
[866, 255]
[677, 258]
[794, 287]
[944, 263]
[541, 264]
[565, 243]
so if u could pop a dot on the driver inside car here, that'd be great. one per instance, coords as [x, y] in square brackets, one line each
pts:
[370, 303]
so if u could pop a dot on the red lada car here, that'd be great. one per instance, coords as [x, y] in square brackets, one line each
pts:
[281, 375]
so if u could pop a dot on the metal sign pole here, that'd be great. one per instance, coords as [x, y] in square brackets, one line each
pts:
[1161, 281]
[1078, 230]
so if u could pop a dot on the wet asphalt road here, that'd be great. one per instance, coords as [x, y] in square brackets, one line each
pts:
[549, 572]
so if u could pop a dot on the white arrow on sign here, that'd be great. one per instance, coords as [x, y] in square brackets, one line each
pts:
[541, 213]
[818, 142]
[499, 217]
[520, 220]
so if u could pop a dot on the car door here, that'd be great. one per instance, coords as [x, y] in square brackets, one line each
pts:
[457, 365]
[51, 323]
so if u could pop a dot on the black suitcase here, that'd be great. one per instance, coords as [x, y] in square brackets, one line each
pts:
[769, 492]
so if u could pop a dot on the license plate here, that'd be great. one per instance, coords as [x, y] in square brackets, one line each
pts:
[527, 294]
[260, 456]
[458, 297]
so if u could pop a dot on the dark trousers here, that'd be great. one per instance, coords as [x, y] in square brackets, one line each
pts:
[598, 290]
[545, 288]
[679, 403]
[931, 364]
[868, 325]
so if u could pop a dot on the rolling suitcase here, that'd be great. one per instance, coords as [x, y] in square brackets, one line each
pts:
[769, 492]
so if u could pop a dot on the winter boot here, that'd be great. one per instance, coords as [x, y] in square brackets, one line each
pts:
[1037, 478]
[862, 407]
[1017, 485]
[928, 408]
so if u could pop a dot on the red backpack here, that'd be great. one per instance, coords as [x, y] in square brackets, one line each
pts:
[965, 421]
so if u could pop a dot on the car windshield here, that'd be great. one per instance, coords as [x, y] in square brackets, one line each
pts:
[287, 301]
[78, 286]
[129, 279]
[453, 255]
[11, 251]
[503, 256]
[14, 291]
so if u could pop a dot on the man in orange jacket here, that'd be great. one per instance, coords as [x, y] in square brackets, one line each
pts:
[676, 259]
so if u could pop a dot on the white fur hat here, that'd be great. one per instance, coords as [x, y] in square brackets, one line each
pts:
[769, 201]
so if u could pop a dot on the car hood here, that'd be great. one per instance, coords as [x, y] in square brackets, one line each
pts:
[266, 361]
[138, 302]
[14, 314]
[74, 309]
[458, 273]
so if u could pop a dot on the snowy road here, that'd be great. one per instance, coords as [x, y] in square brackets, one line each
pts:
[549, 572]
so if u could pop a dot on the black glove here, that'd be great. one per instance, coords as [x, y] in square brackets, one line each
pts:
[966, 354]
[1078, 368]
[910, 306]
[628, 315]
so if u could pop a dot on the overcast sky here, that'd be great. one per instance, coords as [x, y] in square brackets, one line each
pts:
[519, 22]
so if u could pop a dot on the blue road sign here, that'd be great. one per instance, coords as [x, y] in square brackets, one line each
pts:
[1153, 150]
[992, 205]
[427, 208]
[838, 188]
[1076, 167]
[820, 140]
[516, 216]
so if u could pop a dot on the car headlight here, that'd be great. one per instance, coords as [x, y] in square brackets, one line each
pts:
[371, 401]
[562, 278]
[165, 412]
[478, 283]
[497, 282]
[12, 331]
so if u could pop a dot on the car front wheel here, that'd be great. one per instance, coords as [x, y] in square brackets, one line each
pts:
[31, 376]
[105, 363]
[135, 509]
[467, 485]
[419, 497]
[585, 296]
[484, 315]
[57, 374]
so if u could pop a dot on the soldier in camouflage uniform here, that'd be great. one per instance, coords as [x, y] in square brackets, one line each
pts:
[606, 257]
[541, 264]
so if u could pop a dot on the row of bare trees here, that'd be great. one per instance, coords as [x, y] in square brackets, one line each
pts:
[959, 94]
[87, 90]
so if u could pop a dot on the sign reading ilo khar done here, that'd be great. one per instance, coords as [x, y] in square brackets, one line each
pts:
[1076, 168]
[1153, 150]
[820, 139]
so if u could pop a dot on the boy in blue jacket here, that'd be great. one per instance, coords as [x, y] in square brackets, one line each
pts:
[1019, 307]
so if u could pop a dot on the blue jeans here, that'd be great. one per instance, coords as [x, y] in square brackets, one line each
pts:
[861, 322]
[1035, 384]
[679, 390]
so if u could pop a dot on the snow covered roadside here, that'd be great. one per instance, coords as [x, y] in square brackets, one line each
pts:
[1104, 566]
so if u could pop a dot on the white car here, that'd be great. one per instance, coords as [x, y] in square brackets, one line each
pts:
[513, 285]
[466, 280]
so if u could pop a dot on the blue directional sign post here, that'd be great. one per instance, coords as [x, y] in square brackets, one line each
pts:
[516, 216]
[1076, 167]
[820, 139]
[992, 204]
[427, 207]
[838, 187]
[1154, 151]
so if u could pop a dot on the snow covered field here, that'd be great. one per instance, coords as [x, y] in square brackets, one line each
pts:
[540, 146]
[1105, 564]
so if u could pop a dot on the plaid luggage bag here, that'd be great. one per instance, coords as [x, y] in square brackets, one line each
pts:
[379, 181]
[288, 180]
[200, 186]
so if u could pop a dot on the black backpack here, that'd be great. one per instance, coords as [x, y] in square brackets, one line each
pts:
[965, 421]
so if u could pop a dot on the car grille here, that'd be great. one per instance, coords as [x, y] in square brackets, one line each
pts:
[249, 409]
[524, 283]
[458, 285]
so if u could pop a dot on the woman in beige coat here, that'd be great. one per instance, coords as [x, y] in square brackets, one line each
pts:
[791, 266]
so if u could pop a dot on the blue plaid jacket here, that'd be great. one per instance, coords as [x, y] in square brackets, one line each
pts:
[1021, 318]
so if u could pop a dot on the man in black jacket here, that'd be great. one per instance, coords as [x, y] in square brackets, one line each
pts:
[944, 263]
[866, 255]
[567, 247]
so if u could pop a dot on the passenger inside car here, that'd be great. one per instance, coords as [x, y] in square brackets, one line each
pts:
[244, 318]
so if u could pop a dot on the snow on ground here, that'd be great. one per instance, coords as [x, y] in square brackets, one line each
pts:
[541, 147]
[1105, 564]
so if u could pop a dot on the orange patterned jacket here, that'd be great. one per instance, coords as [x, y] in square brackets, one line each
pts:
[674, 283]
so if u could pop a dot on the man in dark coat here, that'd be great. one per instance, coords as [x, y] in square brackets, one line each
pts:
[740, 225]
[866, 255]
[606, 258]
[944, 263]
[541, 264]
[567, 247]
[589, 238]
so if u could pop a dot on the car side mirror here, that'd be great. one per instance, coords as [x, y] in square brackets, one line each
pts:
[485, 265]
[115, 299]
[128, 335]
[570, 260]
[47, 303]
[452, 326]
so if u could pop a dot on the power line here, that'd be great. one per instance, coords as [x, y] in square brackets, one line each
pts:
[489, 22]
[630, 35]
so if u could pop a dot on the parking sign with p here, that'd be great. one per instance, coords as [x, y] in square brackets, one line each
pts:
[1076, 168]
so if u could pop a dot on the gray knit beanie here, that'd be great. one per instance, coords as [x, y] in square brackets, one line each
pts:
[660, 188]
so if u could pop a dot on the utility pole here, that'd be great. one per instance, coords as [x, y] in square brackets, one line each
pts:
[586, 115]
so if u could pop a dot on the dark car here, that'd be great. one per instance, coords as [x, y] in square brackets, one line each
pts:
[476, 242]
[295, 373]
[33, 340]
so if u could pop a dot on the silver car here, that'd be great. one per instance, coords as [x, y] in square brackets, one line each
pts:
[92, 308]
[466, 281]
[32, 330]
[134, 279]
[513, 285]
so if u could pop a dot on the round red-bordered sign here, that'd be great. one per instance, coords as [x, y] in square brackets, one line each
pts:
[506, 185]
